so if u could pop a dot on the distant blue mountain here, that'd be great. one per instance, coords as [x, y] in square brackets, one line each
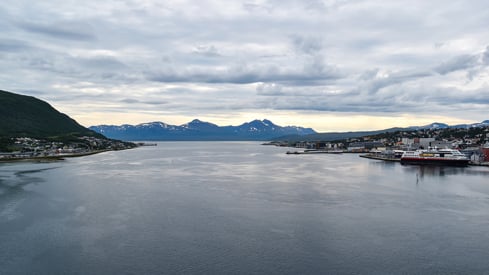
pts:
[200, 130]
[346, 135]
[438, 125]
[484, 123]
[432, 126]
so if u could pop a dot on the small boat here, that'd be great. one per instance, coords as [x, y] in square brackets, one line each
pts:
[448, 157]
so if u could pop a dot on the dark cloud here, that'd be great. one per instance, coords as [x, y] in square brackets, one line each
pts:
[60, 30]
[8, 45]
[472, 64]
[245, 75]
[458, 63]
[307, 45]
[485, 56]
[148, 102]
[368, 74]
[130, 100]
[391, 100]
[102, 63]
[377, 83]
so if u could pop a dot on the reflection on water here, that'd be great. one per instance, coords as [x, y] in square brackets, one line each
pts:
[240, 208]
[13, 192]
[13, 181]
[443, 171]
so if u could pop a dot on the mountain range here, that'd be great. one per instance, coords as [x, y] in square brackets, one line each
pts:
[437, 125]
[254, 130]
[200, 130]
[345, 135]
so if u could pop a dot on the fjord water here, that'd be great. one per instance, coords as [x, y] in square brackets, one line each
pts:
[240, 208]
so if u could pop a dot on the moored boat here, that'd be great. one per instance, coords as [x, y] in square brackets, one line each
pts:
[448, 157]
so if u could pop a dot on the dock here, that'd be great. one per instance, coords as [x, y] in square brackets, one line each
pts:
[314, 152]
[378, 157]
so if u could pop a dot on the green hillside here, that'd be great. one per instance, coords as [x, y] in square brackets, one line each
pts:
[26, 116]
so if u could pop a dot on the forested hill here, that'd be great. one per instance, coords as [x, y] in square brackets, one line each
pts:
[26, 116]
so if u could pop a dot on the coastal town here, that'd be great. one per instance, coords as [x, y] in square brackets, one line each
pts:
[472, 142]
[26, 148]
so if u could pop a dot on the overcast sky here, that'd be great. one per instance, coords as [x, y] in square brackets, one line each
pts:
[330, 65]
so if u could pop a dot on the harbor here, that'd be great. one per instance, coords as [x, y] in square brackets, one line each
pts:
[444, 147]
[443, 157]
[426, 159]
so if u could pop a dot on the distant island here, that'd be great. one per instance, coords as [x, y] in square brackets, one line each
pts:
[32, 129]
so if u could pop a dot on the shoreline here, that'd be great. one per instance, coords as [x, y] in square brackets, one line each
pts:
[54, 158]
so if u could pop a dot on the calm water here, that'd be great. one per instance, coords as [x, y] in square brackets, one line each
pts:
[240, 208]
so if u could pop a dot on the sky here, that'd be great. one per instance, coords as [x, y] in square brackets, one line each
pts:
[335, 65]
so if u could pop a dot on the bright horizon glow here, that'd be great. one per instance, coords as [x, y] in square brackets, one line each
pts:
[319, 122]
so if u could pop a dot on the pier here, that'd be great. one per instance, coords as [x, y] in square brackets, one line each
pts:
[380, 157]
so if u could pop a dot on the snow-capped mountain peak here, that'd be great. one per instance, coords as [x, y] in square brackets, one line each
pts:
[201, 130]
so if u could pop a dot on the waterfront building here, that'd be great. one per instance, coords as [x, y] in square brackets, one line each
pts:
[441, 144]
[425, 142]
[485, 151]
[407, 141]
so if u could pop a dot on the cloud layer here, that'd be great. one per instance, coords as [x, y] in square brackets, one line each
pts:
[226, 60]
